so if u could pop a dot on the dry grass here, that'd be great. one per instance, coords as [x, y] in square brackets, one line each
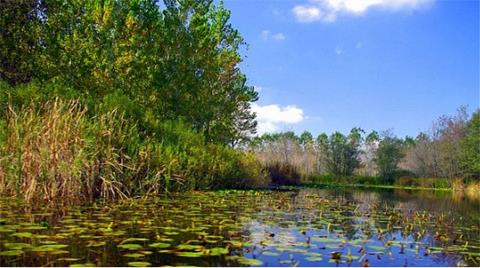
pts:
[45, 152]
[48, 155]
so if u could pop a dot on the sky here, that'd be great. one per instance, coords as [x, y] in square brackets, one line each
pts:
[331, 65]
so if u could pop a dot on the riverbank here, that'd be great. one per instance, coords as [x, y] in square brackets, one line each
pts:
[369, 186]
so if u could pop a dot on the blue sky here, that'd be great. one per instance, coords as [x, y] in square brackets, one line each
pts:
[327, 65]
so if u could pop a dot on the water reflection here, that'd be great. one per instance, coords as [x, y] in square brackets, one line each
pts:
[308, 227]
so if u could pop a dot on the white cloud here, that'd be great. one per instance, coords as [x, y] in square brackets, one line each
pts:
[328, 10]
[267, 35]
[271, 117]
[307, 13]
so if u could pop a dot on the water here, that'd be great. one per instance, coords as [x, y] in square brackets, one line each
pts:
[307, 227]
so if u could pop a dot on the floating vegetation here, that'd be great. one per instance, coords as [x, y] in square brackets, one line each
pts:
[130, 246]
[243, 228]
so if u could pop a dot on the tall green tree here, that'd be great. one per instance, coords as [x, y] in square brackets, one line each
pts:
[470, 157]
[389, 154]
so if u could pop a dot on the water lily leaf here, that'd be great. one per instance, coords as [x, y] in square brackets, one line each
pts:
[88, 264]
[167, 251]
[57, 252]
[6, 230]
[130, 246]
[250, 262]
[15, 252]
[17, 245]
[133, 255]
[159, 245]
[48, 242]
[93, 243]
[189, 254]
[217, 251]
[133, 239]
[68, 259]
[48, 247]
[22, 235]
[189, 247]
[35, 227]
[314, 259]
[139, 264]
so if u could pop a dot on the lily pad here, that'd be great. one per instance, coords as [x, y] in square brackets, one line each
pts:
[250, 262]
[45, 248]
[189, 254]
[130, 246]
[133, 239]
[15, 252]
[22, 235]
[139, 264]
[133, 255]
[159, 245]
[217, 251]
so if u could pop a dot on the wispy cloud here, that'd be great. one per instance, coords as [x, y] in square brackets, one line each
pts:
[328, 10]
[273, 116]
[267, 35]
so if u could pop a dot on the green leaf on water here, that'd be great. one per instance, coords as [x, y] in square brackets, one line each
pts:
[35, 227]
[159, 245]
[45, 248]
[133, 239]
[217, 251]
[133, 255]
[130, 246]
[88, 264]
[189, 247]
[314, 259]
[250, 262]
[189, 254]
[14, 252]
[22, 235]
[139, 264]
[68, 259]
[93, 243]
[17, 245]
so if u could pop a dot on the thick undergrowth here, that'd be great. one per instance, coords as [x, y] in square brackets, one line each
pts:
[55, 152]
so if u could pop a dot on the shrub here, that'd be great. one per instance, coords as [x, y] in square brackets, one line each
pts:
[283, 174]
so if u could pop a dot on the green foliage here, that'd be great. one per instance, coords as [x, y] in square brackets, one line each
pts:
[470, 145]
[155, 64]
[389, 154]
[342, 152]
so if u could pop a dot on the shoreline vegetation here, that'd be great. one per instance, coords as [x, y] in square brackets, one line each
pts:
[116, 99]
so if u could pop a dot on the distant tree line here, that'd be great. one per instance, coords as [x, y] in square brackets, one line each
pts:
[451, 149]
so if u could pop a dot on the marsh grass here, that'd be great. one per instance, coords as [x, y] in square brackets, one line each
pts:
[57, 152]
[45, 154]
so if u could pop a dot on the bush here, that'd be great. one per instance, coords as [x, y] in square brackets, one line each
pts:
[423, 182]
[284, 174]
